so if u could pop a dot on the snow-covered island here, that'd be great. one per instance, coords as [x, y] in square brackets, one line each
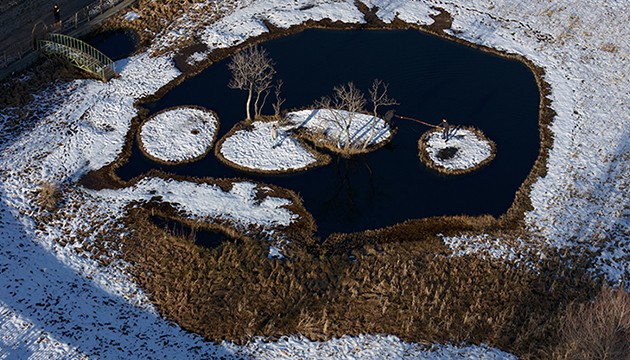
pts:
[267, 147]
[178, 135]
[466, 149]
[341, 131]
[274, 147]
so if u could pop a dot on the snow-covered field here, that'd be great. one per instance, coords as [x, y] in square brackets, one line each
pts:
[177, 135]
[470, 149]
[56, 302]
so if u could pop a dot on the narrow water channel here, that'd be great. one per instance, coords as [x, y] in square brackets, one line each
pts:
[431, 78]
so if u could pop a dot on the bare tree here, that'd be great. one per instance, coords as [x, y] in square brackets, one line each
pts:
[252, 70]
[378, 98]
[277, 106]
[345, 97]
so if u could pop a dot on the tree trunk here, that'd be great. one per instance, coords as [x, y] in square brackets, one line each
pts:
[249, 103]
[256, 109]
[372, 131]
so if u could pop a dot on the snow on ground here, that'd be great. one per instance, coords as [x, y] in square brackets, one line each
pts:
[204, 201]
[131, 16]
[66, 305]
[583, 48]
[413, 12]
[181, 134]
[259, 149]
[244, 19]
[515, 251]
[331, 123]
[375, 347]
[471, 149]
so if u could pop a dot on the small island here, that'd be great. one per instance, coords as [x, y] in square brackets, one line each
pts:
[266, 147]
[465, 149]
[340, 131]
[178, 135]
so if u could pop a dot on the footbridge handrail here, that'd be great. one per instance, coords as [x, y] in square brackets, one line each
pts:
[81, 54]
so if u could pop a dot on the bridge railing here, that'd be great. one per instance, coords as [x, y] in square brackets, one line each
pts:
[81, 54]
[85, 15]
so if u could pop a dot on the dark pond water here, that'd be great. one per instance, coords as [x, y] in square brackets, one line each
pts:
[431, 78]
[115, 44]
[205, 238]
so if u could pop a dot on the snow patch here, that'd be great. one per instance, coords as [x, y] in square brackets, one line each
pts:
[466, 148]
[259, 149]
[207, 202]
[131, 16]
[375, 347]
[331, 124]
[180, 134]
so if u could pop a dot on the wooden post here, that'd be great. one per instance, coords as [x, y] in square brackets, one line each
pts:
[101, 7]
[76, 19]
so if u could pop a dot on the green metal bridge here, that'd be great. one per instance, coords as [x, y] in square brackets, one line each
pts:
[80, 54]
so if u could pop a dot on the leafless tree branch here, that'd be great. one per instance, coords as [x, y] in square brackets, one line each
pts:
[253, 71]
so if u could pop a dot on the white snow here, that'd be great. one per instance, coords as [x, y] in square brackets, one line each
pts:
[514, 251]
[375, 347]
[131, 16]
[413, 12]
[206, 201]
[258, 150]
[331, 124]
[180, 134]
[55, 302]
[197, 57]
[471, 150]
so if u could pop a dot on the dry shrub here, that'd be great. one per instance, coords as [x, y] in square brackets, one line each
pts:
[597, 330]
[49, 196]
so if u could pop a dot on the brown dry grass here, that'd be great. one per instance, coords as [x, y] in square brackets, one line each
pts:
[597, 330]
[406, 288]
[49, 196]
